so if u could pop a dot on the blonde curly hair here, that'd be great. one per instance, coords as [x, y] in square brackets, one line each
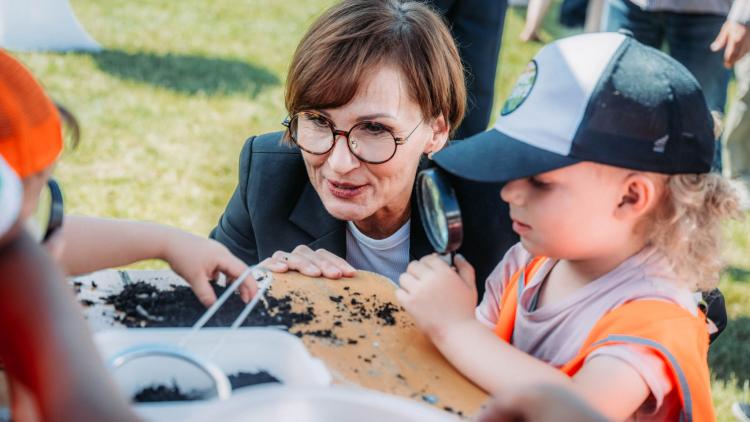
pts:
[686, 226]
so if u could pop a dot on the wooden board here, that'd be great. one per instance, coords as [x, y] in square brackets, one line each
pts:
[362, 349]
[396, 359]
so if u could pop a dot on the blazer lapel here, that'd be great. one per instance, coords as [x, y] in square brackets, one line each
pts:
[310, 215]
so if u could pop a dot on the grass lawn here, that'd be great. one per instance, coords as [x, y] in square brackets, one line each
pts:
[166, 107]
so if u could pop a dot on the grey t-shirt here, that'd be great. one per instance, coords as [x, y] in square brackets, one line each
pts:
[555, 332]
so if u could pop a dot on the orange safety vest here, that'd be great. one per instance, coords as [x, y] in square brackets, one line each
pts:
[670, 331]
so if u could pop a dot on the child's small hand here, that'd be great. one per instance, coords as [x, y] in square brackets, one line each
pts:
[199, 260]
[436, 295]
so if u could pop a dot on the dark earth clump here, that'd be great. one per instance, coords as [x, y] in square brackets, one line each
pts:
[156, 393]
[385, 313]
[159, 393]
[245, 379]
[143, 305]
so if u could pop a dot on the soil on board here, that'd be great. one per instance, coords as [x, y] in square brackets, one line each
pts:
[141, 304]
[158, 393]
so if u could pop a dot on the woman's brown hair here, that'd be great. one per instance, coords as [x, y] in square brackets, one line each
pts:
[355, 36]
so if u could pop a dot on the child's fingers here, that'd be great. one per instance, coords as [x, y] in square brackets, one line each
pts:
[407, 282]
[247, 291]
[416, 268]
[231, 266]
[403, 297]
[203, 291]
[435, 262]
[465, 270]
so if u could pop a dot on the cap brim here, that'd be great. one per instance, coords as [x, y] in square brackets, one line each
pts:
[494, 157]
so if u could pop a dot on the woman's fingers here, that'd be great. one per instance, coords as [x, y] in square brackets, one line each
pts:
[299, 262]
[311, 263]
[334, 266]
[274, 264]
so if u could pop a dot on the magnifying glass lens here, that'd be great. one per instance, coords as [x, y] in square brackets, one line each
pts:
[38, 222]
[436, 219]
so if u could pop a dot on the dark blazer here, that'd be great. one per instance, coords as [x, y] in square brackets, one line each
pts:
[274, 207]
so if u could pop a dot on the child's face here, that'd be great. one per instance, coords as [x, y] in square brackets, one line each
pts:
[570, 213]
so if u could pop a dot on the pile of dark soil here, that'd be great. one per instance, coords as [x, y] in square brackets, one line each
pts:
[246, 379]
[142, 305]
[159, 393]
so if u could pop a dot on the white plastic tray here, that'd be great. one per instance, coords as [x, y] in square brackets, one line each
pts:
[306, 404]
[245, 350]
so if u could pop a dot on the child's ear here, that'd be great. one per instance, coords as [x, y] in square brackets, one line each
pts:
[440, 130]
[639, 194]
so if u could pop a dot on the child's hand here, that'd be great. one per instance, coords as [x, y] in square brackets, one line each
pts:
[436, 295]
[199, 260]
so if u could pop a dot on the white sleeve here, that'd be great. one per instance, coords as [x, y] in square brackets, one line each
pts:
[489, 308]
[740, 12]
[11, 195]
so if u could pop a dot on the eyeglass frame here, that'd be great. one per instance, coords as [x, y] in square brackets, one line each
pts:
[56, 212]
[335, 133]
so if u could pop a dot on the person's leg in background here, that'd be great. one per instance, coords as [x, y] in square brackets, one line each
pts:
[535, 13]
[689, 37]
[646, 27]
[736, 148]
[477, 26]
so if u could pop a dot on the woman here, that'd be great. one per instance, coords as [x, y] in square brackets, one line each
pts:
[373, 87]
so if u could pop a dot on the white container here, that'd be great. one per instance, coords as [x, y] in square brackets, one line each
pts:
[245, 350]
[305, 404]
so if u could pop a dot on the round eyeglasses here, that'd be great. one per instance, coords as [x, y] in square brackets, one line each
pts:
[370, 142]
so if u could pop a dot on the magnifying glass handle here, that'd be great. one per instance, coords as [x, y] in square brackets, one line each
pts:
[447, 257]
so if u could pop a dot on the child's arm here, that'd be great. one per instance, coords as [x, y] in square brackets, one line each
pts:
[442, 301]
[92, 244]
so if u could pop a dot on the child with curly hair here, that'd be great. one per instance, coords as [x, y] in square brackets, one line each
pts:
[606, 148]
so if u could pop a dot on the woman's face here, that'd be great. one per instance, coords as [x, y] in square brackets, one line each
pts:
[375, 196]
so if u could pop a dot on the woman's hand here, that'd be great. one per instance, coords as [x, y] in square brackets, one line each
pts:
[199, 260]
[310, 263]
[436, 295]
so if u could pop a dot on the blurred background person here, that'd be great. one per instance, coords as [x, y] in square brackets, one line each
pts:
[477, 26]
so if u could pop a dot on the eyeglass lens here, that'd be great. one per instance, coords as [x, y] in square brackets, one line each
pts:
[368, 141]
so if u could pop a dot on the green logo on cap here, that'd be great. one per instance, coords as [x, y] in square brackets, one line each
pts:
[521, 90]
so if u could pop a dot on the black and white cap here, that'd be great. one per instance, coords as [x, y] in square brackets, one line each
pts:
[600, 97]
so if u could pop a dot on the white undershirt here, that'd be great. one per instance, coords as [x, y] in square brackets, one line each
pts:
[389, 256]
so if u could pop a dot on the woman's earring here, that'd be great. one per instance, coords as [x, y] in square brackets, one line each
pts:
[430, 154]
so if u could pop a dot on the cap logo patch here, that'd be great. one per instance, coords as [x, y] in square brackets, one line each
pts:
[521, 90]
[661, 144]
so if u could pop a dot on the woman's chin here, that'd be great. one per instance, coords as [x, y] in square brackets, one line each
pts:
[345, 210]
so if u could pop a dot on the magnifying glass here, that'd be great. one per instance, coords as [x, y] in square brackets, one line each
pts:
[48, 217]
[441, 216]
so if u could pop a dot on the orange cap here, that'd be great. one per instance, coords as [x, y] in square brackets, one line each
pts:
[30, 130]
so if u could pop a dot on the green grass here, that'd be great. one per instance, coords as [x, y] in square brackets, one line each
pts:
[166, 107]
